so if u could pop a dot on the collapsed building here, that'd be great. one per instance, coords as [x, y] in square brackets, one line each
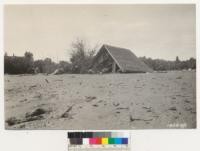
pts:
[115, 59]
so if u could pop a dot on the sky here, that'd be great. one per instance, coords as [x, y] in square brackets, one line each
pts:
[156, 31]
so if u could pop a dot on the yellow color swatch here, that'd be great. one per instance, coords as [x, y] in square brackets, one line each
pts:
[104, 141]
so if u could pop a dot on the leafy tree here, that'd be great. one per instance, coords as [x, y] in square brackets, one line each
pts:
[49, 65]
[40, 65]
[28, 56]
[192, 63]
[81, 57]
[177, 59]
[66, 66]
[18, 65]
[159, 64]
[29, 62]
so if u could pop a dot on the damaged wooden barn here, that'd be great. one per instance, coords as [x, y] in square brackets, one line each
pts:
[115, 59]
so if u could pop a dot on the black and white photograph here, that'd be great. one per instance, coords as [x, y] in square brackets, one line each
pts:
[99, 66]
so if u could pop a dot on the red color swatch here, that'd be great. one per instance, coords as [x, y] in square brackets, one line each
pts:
[95, 141]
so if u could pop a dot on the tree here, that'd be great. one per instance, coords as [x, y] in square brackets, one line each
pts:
[177, 63]
[28, 55]
[160, 64]
[66, 66]
[49, 65]
[29, 62]
[177, 59]
[192, 63]
[40, 65]
[81, 56]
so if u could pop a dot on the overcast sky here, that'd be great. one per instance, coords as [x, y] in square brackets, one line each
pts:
[156, 31]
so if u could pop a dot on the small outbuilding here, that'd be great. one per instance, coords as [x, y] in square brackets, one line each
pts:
[116, 59]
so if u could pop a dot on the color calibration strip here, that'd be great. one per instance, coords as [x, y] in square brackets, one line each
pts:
[97, 138]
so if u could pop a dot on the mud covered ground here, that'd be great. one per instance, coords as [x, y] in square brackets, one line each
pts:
[109, 101]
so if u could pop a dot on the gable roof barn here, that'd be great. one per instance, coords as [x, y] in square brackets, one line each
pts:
[123, 59]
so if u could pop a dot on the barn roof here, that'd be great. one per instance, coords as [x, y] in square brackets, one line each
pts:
[125, 59]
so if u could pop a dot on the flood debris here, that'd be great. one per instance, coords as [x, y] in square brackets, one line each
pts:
[172, 108]
[66, 113]
[58, 71]
[122, 108]
[138, 119]
[173, 97]
[186, 101]
[90, 98]
[176, 117]
[116, 104]
[38, 96]
[33, 118]
[148, 108]
[35, 115]
[23, 100]
[188, 109]
[10, 90]
[36, 112]
[179, 77]
[12, 121]
[100, 101]
[46, 81]
[32, 86]
[95, 105]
